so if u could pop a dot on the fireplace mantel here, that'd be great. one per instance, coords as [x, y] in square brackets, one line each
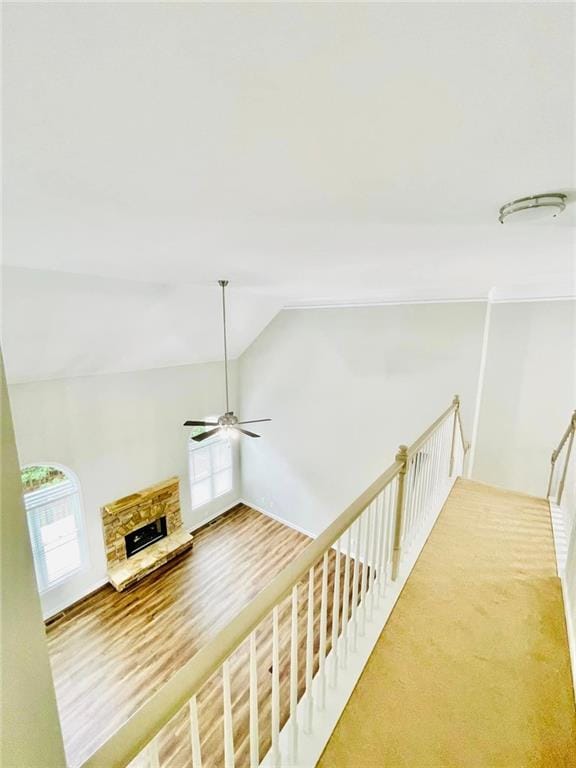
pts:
[121, 517]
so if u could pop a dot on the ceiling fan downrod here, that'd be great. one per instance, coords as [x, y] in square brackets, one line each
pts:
[228, 420]
[223, 284]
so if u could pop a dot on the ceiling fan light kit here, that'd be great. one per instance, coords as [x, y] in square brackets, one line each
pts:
[228, 422]
[534, 207]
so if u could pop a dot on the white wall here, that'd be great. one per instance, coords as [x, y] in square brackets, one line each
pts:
[529, 392]
[344, 387]
[119, 433]
[31, 736]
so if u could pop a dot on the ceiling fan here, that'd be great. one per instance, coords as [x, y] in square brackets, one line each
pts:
[229, 420]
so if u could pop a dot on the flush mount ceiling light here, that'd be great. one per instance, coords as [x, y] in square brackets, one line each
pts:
[534, 207]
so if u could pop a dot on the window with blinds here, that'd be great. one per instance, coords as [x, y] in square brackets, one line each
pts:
[56, 533]
[211, 470]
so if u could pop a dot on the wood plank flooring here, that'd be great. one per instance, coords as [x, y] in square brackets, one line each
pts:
[111, 652]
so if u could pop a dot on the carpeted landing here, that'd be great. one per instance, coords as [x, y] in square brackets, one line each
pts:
[472, 669]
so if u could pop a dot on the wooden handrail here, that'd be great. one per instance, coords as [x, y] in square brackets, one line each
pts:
[418, 443]
[569, 430]
[142, 727]
[568, 434]
[465, 445]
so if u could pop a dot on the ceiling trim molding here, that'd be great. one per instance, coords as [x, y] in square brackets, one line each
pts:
[380, 303]
[490, 298]
[532, 299]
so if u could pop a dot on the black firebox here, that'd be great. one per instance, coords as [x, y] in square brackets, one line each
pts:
[142, 537]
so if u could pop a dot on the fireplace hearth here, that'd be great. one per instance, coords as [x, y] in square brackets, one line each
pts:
[142, 537]
[143, 531]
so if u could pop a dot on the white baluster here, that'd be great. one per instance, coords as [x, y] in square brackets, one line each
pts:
[421, 487]
[443, 471]
[415, 498]
[434, 470]
[310, 652]
[418, 477]
[390, 527]
[294, 677]
[424, 459]
[228, 725]
[336, 615]
[386, 535]
[275, 718]
[441, 452]
[254, 730]
[373, 556]
[408, 498]
[153, 754]
[390, 519]
[354, 618]
[346, 598]
[445, 458]
[428, 479]
[378, 548]
[365, 567]
[438, 467]
[425, 475]
[323, 630]
[459, 468]
[194, 733]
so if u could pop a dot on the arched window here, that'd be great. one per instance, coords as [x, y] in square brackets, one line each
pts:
[52, 501]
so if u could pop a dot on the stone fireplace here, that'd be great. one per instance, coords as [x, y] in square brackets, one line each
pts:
[142, 532]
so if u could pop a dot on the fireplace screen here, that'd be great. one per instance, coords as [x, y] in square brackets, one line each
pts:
[142, 537]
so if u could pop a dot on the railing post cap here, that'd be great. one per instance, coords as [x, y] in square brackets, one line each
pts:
[402, 454]
[574, 419]
[456, 400]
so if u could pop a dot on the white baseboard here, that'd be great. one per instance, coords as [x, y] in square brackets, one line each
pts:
[561, 536]
[277, 518]
[214, 515]
[571, 631]
[68, 603]
[311, 745]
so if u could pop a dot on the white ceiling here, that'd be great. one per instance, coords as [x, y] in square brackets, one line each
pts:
[312, 153]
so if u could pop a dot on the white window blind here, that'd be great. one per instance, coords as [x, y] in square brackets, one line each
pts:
[211, 470]
[55, 524]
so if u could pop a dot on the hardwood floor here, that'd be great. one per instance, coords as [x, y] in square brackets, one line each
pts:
[111, 652]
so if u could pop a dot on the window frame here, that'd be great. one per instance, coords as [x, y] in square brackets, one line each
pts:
[193, 447]
[34, 527]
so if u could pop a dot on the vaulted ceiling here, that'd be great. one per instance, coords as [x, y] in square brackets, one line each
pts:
[311, 153]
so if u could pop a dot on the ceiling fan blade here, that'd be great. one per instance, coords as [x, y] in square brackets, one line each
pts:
[206, 435]
[246, 432]
[253, 421]
[200, 423]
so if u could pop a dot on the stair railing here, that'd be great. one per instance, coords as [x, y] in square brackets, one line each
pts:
[310, 622]
[561, 457]
[562, 497]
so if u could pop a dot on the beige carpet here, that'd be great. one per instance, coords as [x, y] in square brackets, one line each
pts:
[472, 669]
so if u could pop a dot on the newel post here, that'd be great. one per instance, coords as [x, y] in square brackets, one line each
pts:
[456, 405]
[402, 457]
